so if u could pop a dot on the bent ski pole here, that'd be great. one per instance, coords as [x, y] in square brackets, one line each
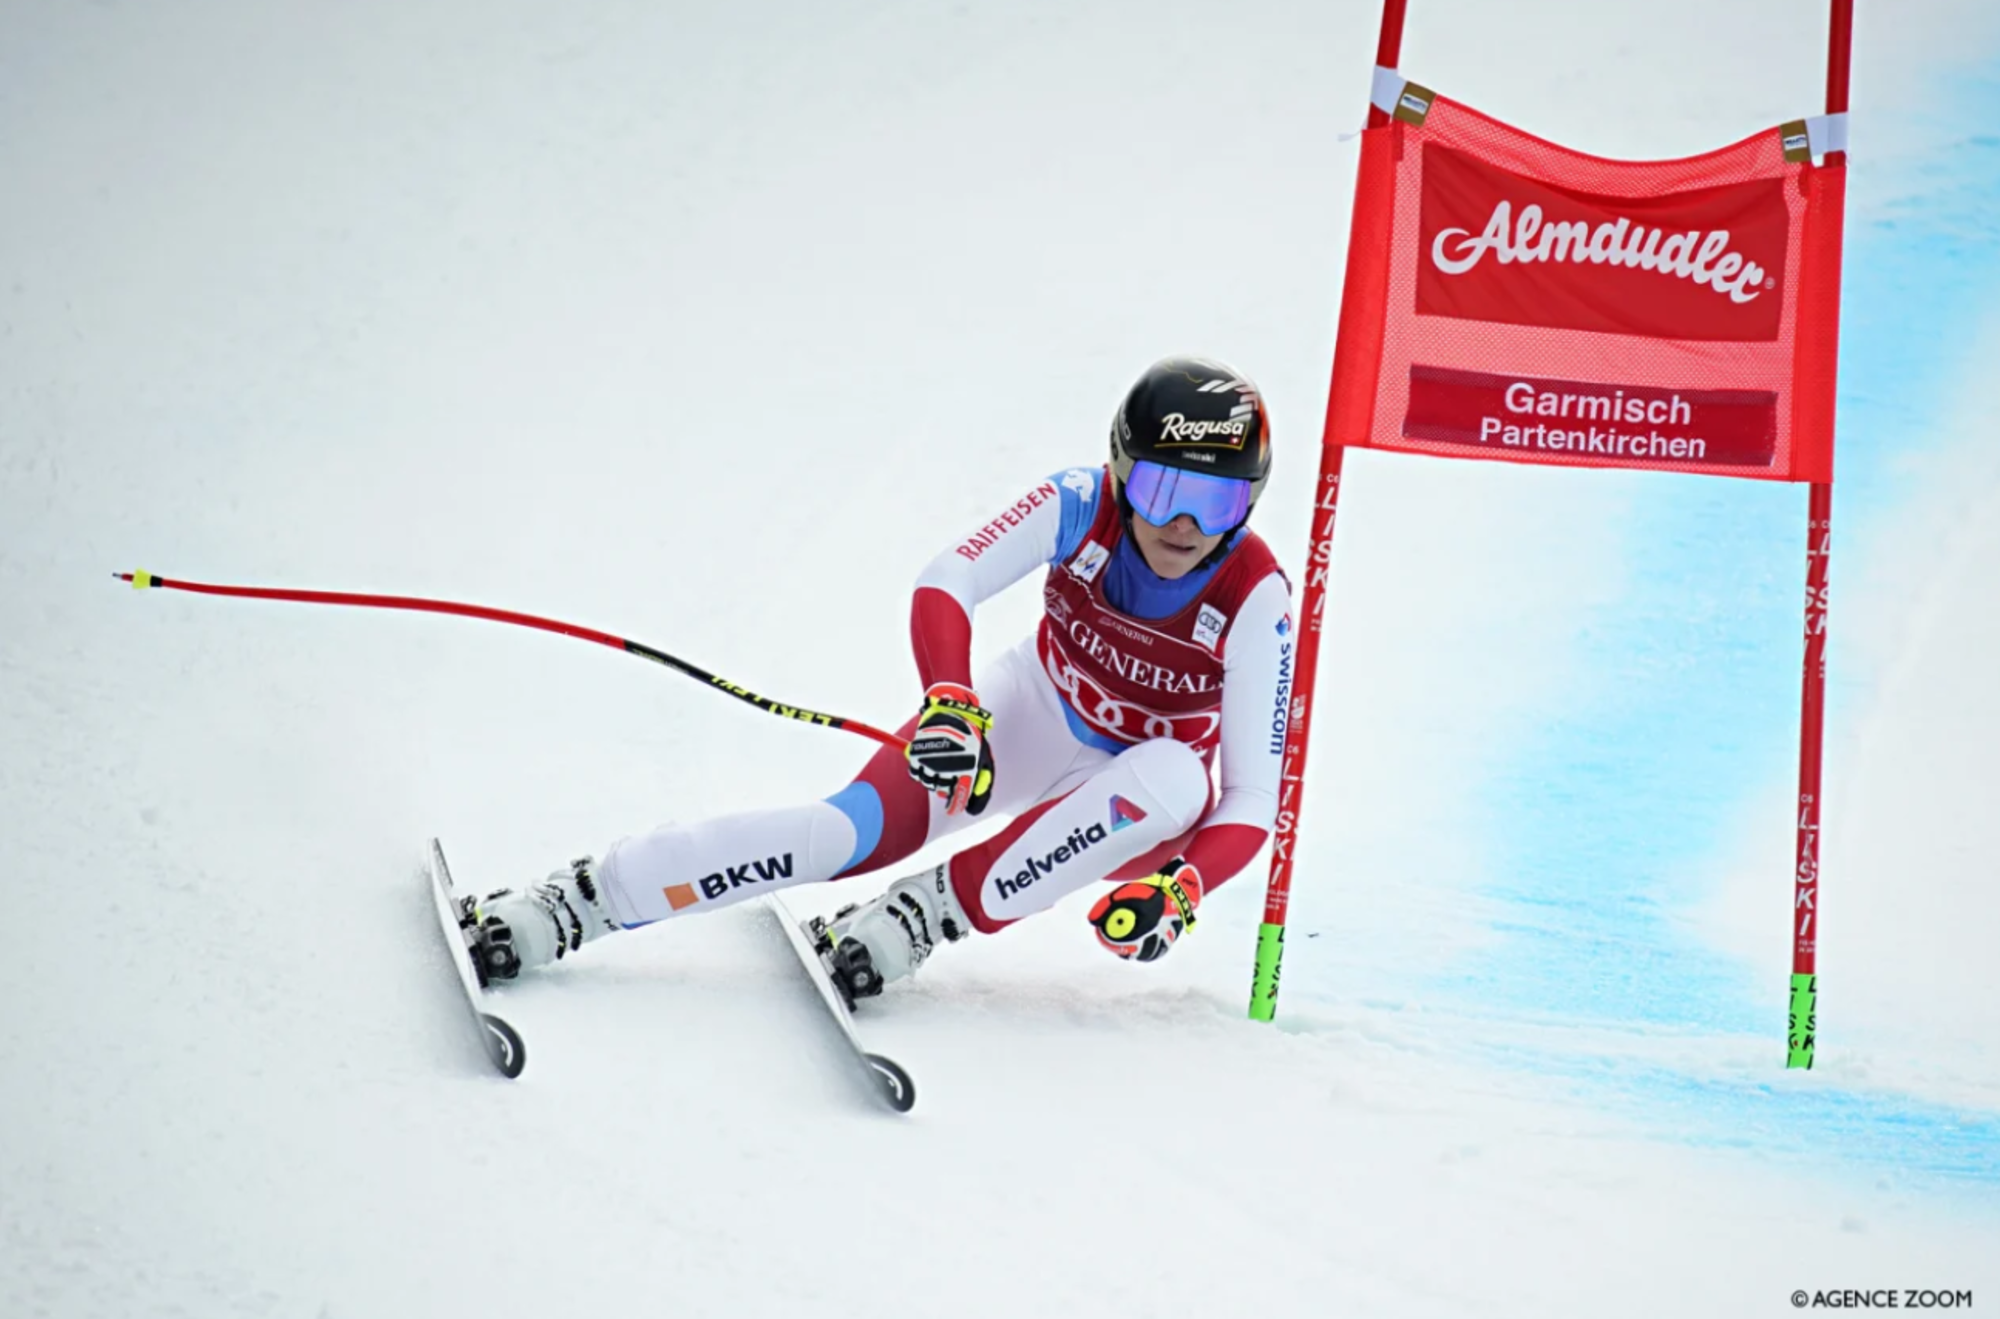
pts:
[143, 580]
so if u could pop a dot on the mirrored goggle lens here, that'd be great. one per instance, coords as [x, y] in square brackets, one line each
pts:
[1161, 494]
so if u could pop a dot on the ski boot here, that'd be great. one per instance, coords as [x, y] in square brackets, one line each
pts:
[865, 947]
[510, 932]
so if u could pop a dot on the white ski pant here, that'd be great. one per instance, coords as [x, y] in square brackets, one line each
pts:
[1082, 813]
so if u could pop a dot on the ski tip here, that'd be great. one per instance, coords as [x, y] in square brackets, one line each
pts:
[898, 1090]
[504, 1046]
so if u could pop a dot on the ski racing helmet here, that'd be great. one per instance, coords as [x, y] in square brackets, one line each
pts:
[1192, 436]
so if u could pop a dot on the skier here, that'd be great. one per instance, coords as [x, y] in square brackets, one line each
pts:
[1165, 646]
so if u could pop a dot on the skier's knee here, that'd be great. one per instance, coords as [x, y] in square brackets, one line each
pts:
[1174, 776]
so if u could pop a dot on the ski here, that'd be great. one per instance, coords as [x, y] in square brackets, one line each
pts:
[890, 1081]
[502, 1042]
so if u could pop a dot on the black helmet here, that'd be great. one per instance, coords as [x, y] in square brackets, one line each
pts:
[1192, 415]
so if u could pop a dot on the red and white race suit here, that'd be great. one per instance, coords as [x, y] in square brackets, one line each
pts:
[1119, 742]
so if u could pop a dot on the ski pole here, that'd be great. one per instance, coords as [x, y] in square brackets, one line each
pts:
[142, 580]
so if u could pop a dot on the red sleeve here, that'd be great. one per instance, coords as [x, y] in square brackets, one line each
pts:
[941, 637]
[1221, 850]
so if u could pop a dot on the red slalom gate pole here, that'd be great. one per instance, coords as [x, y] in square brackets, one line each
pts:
[1298, 729]
[1803, 1019]
[145, 580]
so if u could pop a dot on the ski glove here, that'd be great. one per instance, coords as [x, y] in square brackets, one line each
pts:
[948, 753]
[1141, 919]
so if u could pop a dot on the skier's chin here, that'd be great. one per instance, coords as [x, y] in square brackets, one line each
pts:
[1170, 561]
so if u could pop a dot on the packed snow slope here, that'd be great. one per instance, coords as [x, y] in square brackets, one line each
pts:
[709, 324]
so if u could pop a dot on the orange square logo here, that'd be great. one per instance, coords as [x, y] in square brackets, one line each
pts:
[680, 895]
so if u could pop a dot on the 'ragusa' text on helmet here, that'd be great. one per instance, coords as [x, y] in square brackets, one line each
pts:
[1197, 415]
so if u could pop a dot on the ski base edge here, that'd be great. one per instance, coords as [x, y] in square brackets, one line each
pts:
[891, 1081]
[503, 1045]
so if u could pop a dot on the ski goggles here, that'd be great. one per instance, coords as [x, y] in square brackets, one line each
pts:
[1160, 494]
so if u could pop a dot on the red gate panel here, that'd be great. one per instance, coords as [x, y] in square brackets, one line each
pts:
[1510, 299]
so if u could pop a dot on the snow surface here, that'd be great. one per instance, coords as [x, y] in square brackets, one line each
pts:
[708, 325]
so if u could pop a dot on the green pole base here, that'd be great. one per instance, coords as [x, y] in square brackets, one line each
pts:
[1264, 984]
[1805, 1020]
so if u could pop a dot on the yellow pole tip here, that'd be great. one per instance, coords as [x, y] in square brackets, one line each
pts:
[141, 579]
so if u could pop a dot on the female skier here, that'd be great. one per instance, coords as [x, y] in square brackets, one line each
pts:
[1165, 647]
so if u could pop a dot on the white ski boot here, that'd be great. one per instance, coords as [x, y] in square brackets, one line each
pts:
[868, 946]
[515, 932]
